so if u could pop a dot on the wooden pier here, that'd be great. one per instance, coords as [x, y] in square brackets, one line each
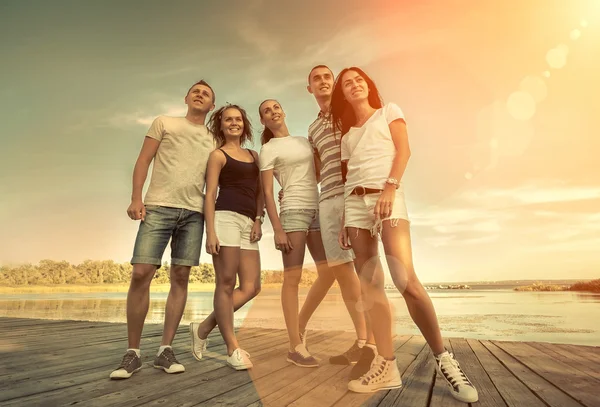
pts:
[54, 363]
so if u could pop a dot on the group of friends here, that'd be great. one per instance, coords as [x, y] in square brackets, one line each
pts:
[357, 149]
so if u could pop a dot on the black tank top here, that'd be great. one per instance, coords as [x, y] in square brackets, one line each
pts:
[238, 185]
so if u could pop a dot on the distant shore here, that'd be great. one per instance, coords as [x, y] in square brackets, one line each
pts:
[105, 288]
[587, 286]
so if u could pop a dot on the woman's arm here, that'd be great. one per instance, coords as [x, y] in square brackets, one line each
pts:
[281, 240]
[256, 233]
[216, 161]
[399, 133]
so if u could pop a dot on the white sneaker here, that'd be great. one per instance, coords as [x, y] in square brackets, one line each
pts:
[459, 384]
[198, 344]
[383, 375]
[239, 360]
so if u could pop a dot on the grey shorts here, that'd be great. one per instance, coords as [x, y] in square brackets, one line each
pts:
[300, 220]
[183, 227]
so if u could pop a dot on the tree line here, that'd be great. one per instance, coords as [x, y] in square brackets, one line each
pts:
[110, 272]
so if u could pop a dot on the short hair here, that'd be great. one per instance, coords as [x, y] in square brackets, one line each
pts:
[203, 82]
[318, 66]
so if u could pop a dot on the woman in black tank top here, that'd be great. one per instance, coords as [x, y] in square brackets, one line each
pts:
[233, 228]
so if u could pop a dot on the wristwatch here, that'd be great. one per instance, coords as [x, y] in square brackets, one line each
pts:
[261, 218]
[393, 181]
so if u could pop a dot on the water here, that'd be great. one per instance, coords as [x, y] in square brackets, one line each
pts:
[502, 314]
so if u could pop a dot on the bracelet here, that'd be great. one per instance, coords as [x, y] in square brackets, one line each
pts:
[393, 181]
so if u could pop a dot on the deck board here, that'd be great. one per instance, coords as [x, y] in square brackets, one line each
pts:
[53, 363]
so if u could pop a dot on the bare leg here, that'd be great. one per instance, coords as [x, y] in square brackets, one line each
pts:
[292, 264]
[398, 249]
[351, 293]
[322, 284]
[226, 265]
[372, 284]
[249, 276]
[180, 276]
[138, 300]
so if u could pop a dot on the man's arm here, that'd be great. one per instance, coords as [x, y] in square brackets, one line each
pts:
[136, 210]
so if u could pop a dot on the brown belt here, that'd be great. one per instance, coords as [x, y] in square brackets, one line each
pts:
[360, 191]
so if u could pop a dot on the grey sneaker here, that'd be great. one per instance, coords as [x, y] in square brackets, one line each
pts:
[130, 364]
[167, 362]
[301, 357]
[198, 344]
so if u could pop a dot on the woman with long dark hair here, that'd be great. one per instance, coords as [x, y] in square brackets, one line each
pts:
[375, 153]
[233, 228]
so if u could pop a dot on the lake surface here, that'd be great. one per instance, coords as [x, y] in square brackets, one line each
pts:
[503, 314]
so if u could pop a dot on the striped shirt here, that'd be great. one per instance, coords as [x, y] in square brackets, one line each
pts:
[327, 145]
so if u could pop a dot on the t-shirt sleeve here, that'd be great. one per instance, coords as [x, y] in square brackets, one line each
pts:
[157, 129]
[266, 158]
[344, 150]
[393, 112]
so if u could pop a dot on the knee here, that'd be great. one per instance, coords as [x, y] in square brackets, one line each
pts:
[226, 284]
[291, 279]
[180, 276]
[251, 291]
[142, 274]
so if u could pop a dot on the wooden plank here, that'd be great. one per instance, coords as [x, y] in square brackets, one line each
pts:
[417, 381]
[589, 353]
[221, 380]
[570, 358]
[550, 394]
[267, 379]
[440, 394]
[514, 393]
[570, 380]
[405, 355]
[488, 394]
[80, 388]
[333, 389]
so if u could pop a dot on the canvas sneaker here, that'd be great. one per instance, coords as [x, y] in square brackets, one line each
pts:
[167, 362]
[239, 360]
[198, 344]
[350, 357]
[383, 375]
[301, 357]
[459, 384]
[130, 364]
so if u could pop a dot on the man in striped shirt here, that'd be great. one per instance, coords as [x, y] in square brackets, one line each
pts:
[327, 155]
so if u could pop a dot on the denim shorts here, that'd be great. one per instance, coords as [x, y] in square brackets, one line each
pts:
[185, 228]
[300, 220]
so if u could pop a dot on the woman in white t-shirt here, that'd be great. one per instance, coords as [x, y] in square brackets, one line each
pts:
[290, 160]
[375, 152]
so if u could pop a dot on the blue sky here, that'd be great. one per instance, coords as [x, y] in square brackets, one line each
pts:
[501, 103]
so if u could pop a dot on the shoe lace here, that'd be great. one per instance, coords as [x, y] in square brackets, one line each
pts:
[169, 355]
[240, 354]
[377, 368]
[302, 351]
[451, 369]
[127, 359]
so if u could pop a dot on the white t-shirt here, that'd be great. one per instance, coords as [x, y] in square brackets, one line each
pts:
[370, 150]
[291, 159]
[179, 171]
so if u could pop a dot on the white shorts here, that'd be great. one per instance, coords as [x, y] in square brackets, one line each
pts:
[359, 211]
[233, 230]
[330, 218]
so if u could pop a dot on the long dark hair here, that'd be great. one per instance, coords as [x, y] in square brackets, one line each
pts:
[342, 114]
[266, 134]
[214, 125]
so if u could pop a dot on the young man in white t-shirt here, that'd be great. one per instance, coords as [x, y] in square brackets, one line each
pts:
[326, 150]
[172, 210]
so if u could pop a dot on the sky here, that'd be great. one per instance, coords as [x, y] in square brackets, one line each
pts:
[501, 102]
